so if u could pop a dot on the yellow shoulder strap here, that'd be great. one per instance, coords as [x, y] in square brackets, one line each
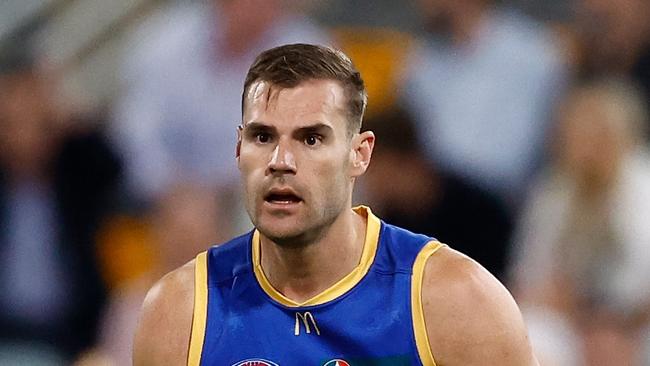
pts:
[200, 310]
[421, 338]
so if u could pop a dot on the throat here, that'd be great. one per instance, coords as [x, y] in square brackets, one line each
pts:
[302, 273]
[302, 290]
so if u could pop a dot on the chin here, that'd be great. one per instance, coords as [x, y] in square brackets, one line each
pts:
[295, 229]
[284, 231]
[287, 238]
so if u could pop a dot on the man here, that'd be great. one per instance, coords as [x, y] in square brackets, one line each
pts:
[319, 283]
[428, 199]
[481, 86]
[58, 175]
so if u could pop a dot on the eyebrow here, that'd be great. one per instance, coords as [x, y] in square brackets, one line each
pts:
[317, 127]
[256, 126]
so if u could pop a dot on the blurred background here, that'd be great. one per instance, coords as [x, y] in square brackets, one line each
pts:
[514, 130]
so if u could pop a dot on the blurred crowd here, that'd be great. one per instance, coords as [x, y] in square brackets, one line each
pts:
[515, 133]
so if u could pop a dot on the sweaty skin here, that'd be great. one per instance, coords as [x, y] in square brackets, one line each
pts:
[297, 140]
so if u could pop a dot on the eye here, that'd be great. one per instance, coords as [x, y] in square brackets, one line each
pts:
[263, 137]
[313, 140]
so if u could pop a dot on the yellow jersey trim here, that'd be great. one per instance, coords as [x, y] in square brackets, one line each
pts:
[419, 326]
[200, 310]
[341, 287]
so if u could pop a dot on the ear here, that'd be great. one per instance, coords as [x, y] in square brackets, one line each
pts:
[240, 128]
[362, 145]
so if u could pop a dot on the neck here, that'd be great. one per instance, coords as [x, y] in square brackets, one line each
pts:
[300, 273]
[467, 24]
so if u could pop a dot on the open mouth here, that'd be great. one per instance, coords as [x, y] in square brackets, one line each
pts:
[282, 197]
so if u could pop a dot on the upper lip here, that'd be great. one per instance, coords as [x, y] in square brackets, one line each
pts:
[283, 191]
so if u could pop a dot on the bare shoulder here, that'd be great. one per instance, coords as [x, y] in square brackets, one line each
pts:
[471, 318]
[163, 332]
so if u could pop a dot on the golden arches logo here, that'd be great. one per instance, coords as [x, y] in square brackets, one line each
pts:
[305, 318]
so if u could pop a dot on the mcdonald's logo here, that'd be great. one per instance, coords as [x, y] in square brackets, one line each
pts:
[305, 319]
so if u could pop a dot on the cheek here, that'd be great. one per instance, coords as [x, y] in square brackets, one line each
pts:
[331, 175]
[251, 169]
[252, 158]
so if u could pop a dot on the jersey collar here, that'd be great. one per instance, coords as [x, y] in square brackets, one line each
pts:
[342, 286]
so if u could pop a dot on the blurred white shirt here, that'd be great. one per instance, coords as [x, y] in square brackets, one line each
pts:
[177, 118]
[483, 109]
[623, 281]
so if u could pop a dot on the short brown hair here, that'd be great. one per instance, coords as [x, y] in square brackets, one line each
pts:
[289, 65]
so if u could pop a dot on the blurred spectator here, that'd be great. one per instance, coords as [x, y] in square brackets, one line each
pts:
[181, 227]
[176, 121]
[407, 189]
[616, 39]
[378, 54]
[57, 176]
[481, 88]
[383, 14]
[583, 244]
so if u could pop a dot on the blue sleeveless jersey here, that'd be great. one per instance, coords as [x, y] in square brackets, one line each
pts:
[373, 316]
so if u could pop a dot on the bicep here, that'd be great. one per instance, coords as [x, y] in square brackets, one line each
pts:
[471, 319]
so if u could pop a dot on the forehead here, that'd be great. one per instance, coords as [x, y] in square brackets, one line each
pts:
[310, 101]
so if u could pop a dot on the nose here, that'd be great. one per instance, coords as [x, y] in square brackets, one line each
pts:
[282, 160]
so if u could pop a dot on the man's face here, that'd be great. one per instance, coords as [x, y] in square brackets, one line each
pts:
[590, 146]
[27, 119]
[439, 15]
[296, 158]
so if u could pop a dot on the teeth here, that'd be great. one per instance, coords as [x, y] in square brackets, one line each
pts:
[283, 200]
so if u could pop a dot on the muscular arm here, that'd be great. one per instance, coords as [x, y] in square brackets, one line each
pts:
[163, 333]
[471, 319]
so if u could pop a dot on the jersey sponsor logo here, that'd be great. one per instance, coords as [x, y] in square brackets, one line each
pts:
[308, 321]
[337, 362]
[255, 362]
